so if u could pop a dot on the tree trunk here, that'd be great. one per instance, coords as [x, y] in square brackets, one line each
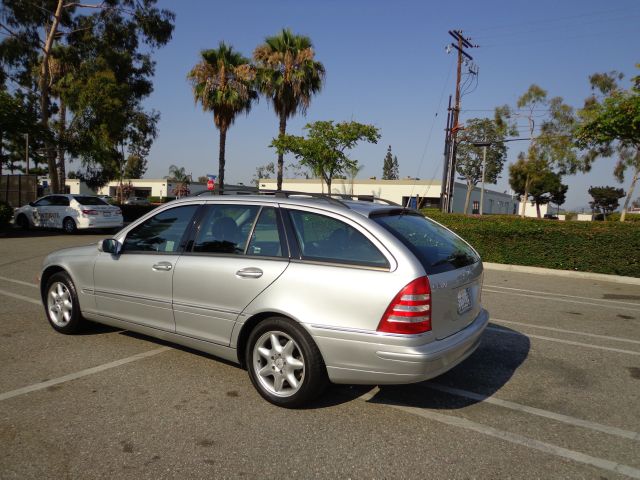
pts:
[62, 172]
[329, 185]
[467, 199]
[631, 189]
[526, 196]
[1, 152]
[221, 160]
[537, 210]
[283, 130]
[44, 98]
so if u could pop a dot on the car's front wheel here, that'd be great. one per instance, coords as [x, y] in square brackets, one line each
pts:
[23, 222]
[61, 304]
[284, 363]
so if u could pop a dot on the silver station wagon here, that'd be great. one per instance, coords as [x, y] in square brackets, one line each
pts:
[301, 290]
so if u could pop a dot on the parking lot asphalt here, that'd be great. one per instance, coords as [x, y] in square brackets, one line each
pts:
[552, 392]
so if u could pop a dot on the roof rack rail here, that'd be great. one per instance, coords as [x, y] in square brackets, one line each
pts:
[293, 193]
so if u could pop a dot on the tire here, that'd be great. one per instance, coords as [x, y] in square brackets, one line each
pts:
[284, 363]
[69, 225]
[61, 304]
[23, 222]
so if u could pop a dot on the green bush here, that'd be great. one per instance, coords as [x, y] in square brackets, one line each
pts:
[629, 217]
[6, 213]
[602, 247]
[161, 200]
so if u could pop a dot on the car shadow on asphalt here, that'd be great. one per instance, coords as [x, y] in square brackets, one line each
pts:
[485, 372]
[480, 376]
[45, 232]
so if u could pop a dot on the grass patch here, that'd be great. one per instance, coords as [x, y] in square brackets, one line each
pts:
[601, 247]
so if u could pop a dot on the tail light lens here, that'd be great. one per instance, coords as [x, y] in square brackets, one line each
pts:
[90, 212]
[410, 311]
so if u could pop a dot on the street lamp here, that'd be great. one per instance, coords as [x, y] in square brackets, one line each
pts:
[484, 146]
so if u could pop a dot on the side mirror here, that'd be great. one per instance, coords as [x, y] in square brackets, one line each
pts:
[109, 245]
[32, 204]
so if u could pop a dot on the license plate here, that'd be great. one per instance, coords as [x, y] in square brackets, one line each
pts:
[464, 300]
[107, 214]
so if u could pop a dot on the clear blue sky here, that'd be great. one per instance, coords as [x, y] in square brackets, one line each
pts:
[386, 65]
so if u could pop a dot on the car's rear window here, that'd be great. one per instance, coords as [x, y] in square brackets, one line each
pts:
[436, 247]
[87, 200]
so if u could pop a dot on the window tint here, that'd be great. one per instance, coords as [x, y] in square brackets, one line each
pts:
[162, 232]
[326, 239]
[225, 229]
[88, 200]
[60, 201]
[265, 240]
[437, 248]
[44, 202]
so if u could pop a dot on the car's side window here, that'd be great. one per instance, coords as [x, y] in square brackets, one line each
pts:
[326, 239]
[59, 201]
[162, 233]
[265, 239]
[44, 202]
[225, 229]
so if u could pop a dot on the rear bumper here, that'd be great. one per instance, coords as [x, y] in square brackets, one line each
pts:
[100, 222]
[365, 358]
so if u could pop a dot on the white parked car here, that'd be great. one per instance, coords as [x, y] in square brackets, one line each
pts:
[69, 212]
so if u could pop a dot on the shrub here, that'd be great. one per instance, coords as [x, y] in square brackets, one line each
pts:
[161, 199]
[6, 213]
[602, 247]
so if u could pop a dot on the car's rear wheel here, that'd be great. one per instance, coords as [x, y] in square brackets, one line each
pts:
[23, 222]
[69, 225]
[61, 304]
[284, 363]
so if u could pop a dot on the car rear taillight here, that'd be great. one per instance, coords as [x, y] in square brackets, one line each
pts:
[410, 311]
[90, 212]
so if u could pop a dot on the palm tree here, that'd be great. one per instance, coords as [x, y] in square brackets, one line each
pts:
[222, 83]
[289, 76]
[181, 178]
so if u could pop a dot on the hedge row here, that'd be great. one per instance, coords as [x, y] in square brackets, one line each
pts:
[602, 247]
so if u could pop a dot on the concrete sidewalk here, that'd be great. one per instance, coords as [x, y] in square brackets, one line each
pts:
[563, 273]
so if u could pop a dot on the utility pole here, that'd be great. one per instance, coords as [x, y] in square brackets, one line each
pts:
[26, 150]
[450, 163]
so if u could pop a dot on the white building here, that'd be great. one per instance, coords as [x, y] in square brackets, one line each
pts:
[141, 187]
[415, 193]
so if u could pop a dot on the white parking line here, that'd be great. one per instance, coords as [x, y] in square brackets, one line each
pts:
[20, 297]
[566, 342]
[513, 438]
[564, 295]
[81, 373]
[573, 332]
[19, 282]
[566, 300]
[619, 432]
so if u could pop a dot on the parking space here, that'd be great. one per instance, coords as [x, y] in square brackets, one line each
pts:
[552, 392]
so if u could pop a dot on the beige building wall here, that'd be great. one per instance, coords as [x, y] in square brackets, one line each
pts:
[393, 190]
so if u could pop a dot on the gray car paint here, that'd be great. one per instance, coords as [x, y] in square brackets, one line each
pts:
[340, 306]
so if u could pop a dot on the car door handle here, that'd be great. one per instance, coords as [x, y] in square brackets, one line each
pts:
[249, 272]
[162, 267]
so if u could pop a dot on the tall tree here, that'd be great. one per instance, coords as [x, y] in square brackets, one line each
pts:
[470, 157]
[610, 124]
[222, 83]
[550, 123]
[288, 75]
[325, 148]
[605, 199]
[390, 166]
[103, 37]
